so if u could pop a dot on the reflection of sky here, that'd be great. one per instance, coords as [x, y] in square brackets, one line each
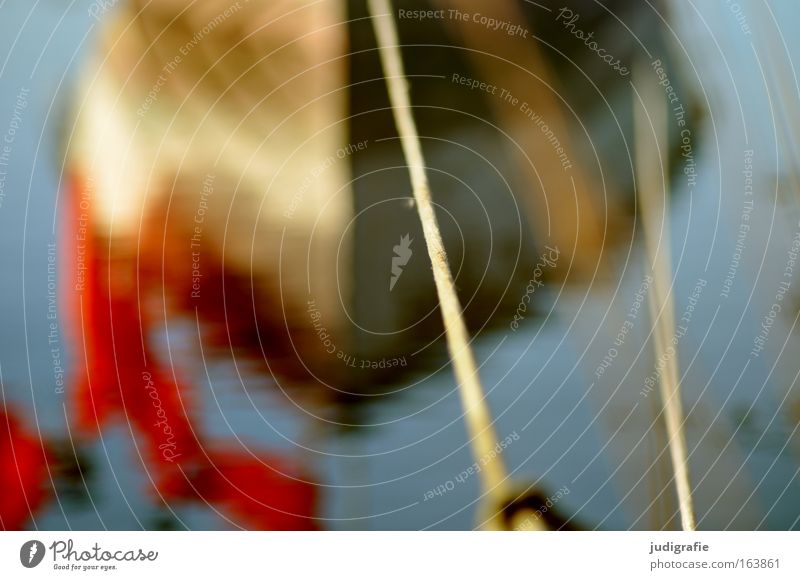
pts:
[585, 439]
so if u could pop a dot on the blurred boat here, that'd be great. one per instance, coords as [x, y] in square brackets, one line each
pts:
[206, 184]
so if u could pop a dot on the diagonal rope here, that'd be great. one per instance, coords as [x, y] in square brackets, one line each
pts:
[478, 418]
[651, 191]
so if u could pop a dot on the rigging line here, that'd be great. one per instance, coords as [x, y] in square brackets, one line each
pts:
[650, 132]
[483, 439]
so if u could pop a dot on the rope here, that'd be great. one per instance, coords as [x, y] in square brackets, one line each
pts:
[478, 418]
[655, 217]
